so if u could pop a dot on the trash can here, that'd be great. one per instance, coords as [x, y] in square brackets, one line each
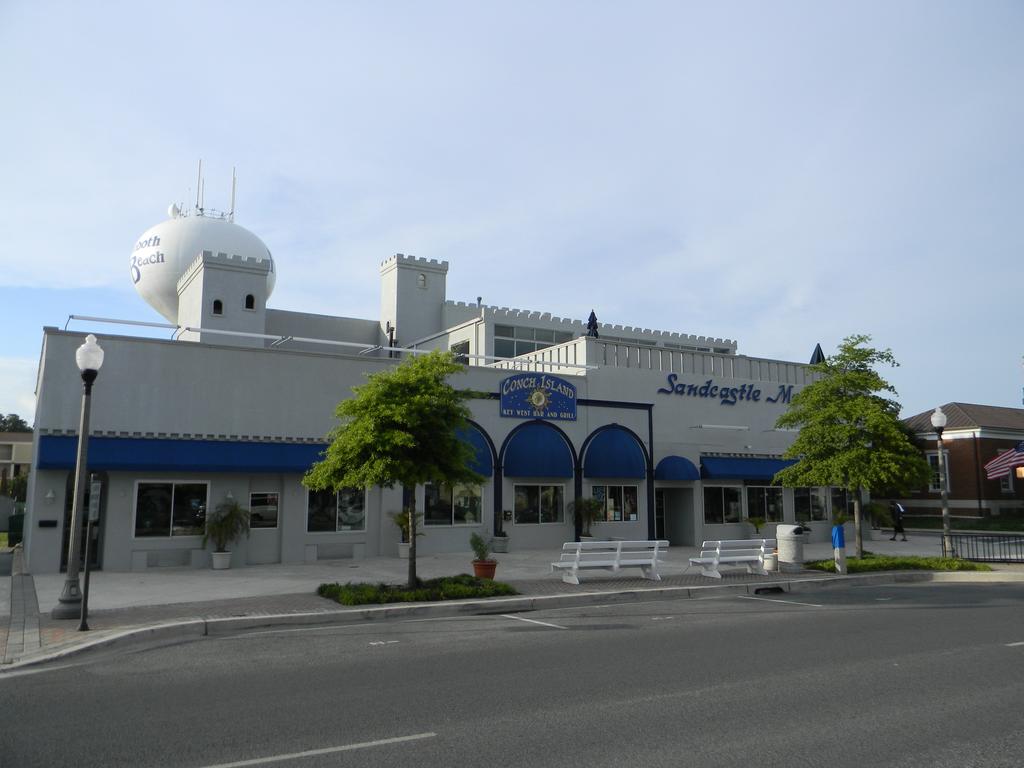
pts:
[790, 539]
[15, 525]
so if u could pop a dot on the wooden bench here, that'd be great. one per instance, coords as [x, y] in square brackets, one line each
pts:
[749, 552]
[609, 556]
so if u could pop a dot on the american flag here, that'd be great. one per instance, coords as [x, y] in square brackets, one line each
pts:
[1002, 464]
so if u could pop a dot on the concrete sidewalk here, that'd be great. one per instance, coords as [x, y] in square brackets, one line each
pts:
[182, 601]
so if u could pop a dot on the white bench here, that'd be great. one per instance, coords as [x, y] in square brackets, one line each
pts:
[749, 552]
[610, 556]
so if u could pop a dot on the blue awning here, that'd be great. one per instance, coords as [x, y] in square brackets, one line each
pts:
[676, 468]
[537, 450]
[175, 455]
[614, 453]
[481, 462]
[740, 468]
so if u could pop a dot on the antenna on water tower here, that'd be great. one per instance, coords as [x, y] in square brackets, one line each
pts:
[231, 215]
[199, 187]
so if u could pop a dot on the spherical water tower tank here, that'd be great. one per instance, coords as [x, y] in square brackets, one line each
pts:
[163, 253]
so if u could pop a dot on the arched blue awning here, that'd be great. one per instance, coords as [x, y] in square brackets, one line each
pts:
[537, 450]
[676, 468]
[741, 468]
[481, 462]
[614, 453]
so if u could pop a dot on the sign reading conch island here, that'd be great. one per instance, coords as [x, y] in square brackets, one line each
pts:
[538, 396]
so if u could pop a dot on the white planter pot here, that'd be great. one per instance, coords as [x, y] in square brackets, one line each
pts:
[221, 560]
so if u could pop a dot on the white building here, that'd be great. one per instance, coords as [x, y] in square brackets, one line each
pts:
[675, 432]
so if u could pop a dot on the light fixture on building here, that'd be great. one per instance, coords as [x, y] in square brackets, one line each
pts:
[89, 358]
[939, 424]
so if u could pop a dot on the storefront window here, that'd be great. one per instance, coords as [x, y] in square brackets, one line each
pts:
[445, 505]
[810, 504]
[536, 504]
[842, 502]
[263, 509]
[722, 504]
[620, 501]
[765, 502]
[170, 509]
[329, 512]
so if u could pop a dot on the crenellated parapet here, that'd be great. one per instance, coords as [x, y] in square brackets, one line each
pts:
[234, 261]
[515, 316]
[417, 262]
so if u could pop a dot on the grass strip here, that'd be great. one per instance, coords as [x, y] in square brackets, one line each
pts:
[871, 562]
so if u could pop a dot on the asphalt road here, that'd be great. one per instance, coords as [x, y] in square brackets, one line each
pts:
[909, 676]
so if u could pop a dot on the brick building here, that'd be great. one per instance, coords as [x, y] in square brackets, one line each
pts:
[974, 435]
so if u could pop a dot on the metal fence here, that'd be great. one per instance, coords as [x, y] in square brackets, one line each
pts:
[986, 547]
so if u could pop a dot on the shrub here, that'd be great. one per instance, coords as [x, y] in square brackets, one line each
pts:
[461, 587]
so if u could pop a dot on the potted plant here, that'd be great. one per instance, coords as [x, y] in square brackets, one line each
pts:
[228, 521]
[402, 521]
[757, 522]
[586, 510]
[483, 564]
[500, 541]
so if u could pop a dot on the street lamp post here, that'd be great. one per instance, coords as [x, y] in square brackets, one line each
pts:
[89, 358]
[939, 423]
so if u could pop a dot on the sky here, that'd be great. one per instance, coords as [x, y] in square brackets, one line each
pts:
[781, 174]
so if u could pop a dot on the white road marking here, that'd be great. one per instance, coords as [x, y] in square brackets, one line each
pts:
[533, 621]
[785, 602]
[882, 599]
[325, 751]
[1013, 645]
[383, 642]
[662, 618]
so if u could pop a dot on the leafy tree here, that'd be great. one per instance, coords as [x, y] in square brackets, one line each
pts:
[12, 422]
[850, 432]
[400, 427]
[15, 487]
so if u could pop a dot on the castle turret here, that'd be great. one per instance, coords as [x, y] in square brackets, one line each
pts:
[412, 294]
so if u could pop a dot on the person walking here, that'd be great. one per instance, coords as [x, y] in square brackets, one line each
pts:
[897, 521]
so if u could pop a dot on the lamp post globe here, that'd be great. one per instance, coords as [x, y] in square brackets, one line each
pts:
[939, 420]
[89, 358]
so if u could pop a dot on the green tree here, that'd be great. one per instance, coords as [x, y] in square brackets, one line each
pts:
[15, 487]
[850, 432]
[400, 427]
[12, 422]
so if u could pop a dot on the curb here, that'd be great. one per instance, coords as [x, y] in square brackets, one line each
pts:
[196, 628]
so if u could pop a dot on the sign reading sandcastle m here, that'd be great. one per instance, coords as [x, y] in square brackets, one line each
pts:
[538, 396]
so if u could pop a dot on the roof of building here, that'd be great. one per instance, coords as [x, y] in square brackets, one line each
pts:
[971, 416]
[15, 437]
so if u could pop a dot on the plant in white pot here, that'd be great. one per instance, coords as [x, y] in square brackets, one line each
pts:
[500, 541]
[224, 525]
[402, 520]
